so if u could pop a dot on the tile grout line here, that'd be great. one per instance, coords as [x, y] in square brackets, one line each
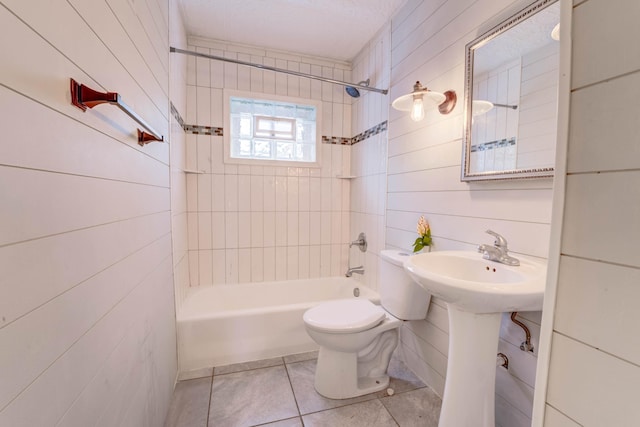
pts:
[295, 399]
[210, 397]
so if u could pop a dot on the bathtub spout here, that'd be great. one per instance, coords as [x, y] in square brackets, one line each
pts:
[351, 270]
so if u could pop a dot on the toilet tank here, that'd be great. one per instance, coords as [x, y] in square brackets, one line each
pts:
[400, 295]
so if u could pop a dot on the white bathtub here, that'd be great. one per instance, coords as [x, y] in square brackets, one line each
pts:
[223, 324]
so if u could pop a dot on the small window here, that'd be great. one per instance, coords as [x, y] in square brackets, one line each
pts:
[271, 130]
[274, 127]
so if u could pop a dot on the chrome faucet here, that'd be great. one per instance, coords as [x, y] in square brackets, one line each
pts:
[499, 251]
[351, 270]
[361, 243]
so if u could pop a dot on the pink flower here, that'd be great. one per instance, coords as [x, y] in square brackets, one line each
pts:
[423, 226]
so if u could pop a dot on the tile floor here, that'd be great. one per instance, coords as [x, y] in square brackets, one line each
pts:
[279, 393]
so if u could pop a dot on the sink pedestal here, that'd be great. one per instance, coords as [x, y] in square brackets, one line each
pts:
[469, 391]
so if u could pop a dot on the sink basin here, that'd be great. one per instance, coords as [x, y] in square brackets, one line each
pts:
[476, 291]
[471, 283]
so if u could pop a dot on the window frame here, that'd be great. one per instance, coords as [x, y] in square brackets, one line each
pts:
[229, 93]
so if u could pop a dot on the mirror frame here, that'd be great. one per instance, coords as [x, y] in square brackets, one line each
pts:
[480, 41]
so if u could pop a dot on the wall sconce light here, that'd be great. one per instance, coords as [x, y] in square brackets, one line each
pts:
[422, 98]
[555, 33]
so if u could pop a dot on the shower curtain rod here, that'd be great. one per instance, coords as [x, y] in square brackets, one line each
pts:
[278, 70]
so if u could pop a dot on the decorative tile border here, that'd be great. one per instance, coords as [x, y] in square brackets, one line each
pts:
[176, 114]
[336, 140]
[492, 145]
[203, 130]
[381, 127]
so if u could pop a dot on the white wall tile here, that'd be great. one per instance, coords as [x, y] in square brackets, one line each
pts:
[292, 228]
[325, 228]
[314, 261]
[244, 193]
[245, 229]
[325, 260]
[281, 197]
[203, 76]
[281, 228]
[231, 266]
[203, 105]
[303, 194]
[244, 265]
[231, 230]
[217, 165]
[315, 228]
[257, 265]
[303, 228]
[205, 267]
[269, 229]
[218, 193]
[204, 193]
[203, 149]
[269, 264]
[231, 192]
[257, 194]
[269, 193]
[292, 263]
[281, 263]
[315, 188]
[218, 230]
[204, 230]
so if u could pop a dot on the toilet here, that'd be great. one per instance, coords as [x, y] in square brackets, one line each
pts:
[357, 337]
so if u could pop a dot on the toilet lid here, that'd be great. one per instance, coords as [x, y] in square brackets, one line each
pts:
[344, 315]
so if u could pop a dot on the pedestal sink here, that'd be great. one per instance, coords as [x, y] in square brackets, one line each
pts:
[476, 291]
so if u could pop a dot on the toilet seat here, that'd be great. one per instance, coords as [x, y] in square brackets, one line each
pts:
[344, 316]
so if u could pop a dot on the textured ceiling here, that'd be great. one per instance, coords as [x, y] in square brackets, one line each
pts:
[529, 35]
[335, 29]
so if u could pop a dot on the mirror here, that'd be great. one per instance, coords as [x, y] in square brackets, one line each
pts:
[511, 97]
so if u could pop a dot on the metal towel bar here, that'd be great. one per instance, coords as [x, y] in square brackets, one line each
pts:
[84, 97]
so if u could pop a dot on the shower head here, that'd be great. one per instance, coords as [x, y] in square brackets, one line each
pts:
[354, 92]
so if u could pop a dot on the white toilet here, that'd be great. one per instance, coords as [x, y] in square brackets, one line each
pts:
[357, 337]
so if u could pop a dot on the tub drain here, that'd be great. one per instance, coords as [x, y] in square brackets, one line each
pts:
[356, 292]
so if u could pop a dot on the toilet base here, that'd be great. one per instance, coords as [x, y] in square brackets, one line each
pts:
[337, 374]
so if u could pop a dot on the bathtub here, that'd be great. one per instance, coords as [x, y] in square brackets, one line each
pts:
[223, 324]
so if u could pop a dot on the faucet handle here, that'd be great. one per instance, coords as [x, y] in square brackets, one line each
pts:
[500, 242]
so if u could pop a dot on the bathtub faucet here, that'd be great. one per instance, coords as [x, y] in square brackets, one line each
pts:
[361, 242]
[351, 270]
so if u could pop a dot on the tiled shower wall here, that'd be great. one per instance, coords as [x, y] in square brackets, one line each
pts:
[87, 324]
[258, 223]
[428, 44]
[369, 157]
[178, 98]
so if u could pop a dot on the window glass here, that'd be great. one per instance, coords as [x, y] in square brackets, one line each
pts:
[271, 130]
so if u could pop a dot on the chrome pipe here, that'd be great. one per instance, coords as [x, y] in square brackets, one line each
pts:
[278, 70]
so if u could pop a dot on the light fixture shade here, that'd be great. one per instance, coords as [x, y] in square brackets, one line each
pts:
[479, 107]
[555, 33]
[430, 99]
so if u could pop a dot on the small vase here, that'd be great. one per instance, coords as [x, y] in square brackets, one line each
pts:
[425, 250]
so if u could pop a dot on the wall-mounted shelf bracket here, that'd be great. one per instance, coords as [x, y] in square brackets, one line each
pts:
[84, 97]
